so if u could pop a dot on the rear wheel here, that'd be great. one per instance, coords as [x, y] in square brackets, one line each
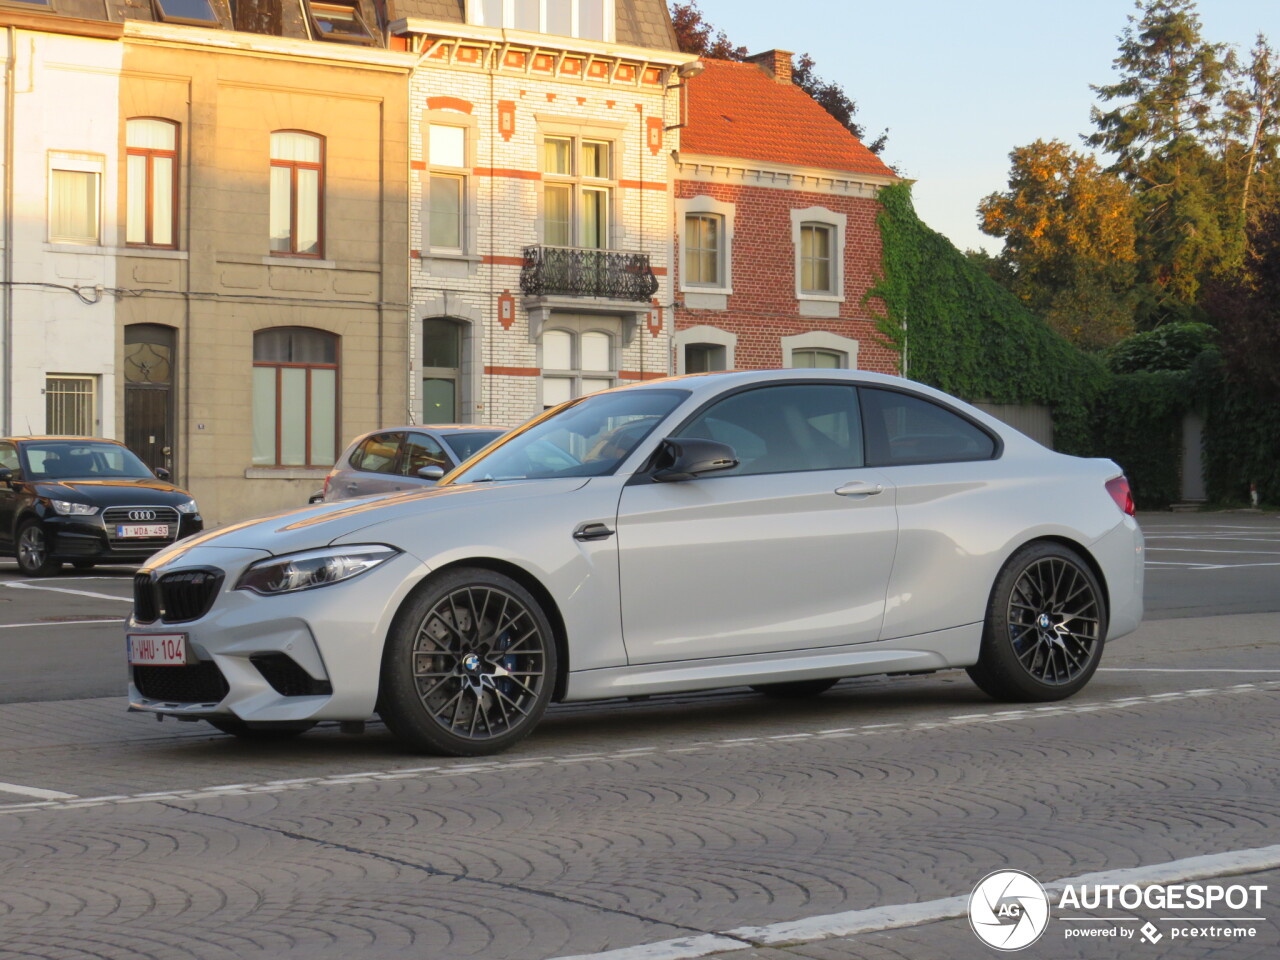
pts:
[794, 689]
[1045, 626]
[469, 665]
[33, 551]
[275, 731]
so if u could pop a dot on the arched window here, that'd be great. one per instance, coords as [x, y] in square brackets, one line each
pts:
[575, 364]
[151, 190]
[297, 194]
[295, 397]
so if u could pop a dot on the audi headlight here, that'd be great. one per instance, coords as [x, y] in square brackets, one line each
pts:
[188, 507]
[69, 508]
[314, 568]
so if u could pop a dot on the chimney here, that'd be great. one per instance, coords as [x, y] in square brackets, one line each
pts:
[776, 63]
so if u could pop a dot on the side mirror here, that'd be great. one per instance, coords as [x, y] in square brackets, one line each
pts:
[163, 474]
[431, 473]
[6, 475]
[689, 457]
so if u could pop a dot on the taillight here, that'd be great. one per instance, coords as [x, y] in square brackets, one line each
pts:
[1118, 487]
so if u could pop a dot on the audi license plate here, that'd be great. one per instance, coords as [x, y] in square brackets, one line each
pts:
[157, 649]
[142, 530]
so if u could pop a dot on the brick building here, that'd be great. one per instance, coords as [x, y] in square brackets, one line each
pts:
[775, 218]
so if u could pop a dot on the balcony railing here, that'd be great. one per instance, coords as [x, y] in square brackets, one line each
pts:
[579, 272]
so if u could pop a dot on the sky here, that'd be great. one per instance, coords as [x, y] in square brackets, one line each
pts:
[959, 85]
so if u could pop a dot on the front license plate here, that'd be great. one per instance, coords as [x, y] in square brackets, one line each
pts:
[157, 649]
[142, 530]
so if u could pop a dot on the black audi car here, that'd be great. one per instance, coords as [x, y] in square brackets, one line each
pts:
[83, 500]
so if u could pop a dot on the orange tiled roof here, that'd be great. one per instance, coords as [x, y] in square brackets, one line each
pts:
[737, 110]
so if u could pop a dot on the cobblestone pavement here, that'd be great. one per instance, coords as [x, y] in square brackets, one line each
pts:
[620, 825]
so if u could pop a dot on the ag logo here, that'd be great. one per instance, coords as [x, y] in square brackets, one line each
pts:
[1008, 910]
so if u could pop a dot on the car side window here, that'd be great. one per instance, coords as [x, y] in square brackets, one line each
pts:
[418, 451]
[903, 428]
[9, 457]
[783, 429]
[378, 453]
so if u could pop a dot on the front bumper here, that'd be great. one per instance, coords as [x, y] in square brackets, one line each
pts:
[311, 655]
[85, 538]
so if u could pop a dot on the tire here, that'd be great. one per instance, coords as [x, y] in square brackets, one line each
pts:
[794, 689]
[277, 731]
[1045, 627]
[33, 551]
[469, 665]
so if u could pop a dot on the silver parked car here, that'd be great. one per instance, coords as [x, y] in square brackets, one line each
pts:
[403, 458]
[778, 529]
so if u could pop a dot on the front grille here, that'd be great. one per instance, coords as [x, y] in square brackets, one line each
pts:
[115, 517]
[287, 678]
[176, 597]
[67, 545]
[200, 682]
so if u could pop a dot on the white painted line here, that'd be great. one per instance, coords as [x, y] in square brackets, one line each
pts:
[24, 585]
[36, 792]
[895, 917]
[60, 623]
[1184, 670]
[1265, 553]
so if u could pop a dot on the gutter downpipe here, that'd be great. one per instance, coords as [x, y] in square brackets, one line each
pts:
[6, 319]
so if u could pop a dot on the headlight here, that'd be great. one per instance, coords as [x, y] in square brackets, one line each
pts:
[314, 568]
[188, 507]
[69, 508]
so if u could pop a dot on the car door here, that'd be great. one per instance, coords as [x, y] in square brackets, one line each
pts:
[790, 550]
[372, 466]
[10, 492]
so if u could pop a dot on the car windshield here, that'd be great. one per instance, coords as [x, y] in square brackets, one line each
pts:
[80, 460]
[587, 437]
[465, 445]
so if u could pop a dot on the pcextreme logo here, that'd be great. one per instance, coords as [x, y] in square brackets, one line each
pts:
[1008, 910]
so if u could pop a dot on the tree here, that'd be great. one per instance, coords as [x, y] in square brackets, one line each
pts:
[1251, 126]
[1069, 232]
[695, 35]
[1159, 133]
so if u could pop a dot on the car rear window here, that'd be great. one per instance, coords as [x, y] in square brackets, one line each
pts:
[464, 445]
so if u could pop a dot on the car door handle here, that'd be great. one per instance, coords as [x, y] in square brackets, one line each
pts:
[592, 531]
[858, 488]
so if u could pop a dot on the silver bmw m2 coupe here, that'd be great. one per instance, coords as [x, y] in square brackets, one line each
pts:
[778, 530]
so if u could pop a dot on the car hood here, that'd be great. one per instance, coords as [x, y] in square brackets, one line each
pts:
[113, 493]
[321, 524]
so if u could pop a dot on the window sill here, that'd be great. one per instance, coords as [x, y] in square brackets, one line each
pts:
[69, 246]
[299, 262]
[705, 299]
[286, 473]
[448, 255]
[821, 297]
[155, 253]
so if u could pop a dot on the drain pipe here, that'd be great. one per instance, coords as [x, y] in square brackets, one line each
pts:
[6, 321]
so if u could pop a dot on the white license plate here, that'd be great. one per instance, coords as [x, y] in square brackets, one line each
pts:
[157, 649]
[142, 530]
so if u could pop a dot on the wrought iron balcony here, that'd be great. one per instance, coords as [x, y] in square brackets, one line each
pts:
[580, 272]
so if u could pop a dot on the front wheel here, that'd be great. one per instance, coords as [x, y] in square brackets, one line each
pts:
[33, 551]
[469, 665]
[1045, 626]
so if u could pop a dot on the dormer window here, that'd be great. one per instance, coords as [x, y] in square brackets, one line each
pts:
[584, 19]
[339, 20]
[196, 12]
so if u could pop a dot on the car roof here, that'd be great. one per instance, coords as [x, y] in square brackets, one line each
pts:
[438, 428]
[67, 439]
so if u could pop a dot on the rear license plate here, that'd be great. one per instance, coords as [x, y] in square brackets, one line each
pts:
[142, 530]
[157, 649]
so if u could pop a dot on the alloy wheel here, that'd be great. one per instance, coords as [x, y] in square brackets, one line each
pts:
[1053, 620]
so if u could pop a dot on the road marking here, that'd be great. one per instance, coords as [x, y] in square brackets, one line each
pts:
[472, 768]
[853, 922]
[24, 585]
[59, 623]
[35, 792]
[1184, 670]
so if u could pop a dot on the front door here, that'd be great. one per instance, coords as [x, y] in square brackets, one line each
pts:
[791, 550]
[148, 393]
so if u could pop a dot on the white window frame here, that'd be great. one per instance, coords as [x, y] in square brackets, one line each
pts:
[77, 163]
[93, 394]
[703, 333]
[466, 123]
[838, 223]
[820, 340]
[579, 184]
[475, 15]
[576, 327]
[708, 206]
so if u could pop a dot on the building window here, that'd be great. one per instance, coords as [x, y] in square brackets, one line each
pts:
[441, 370]
[577, 189]
[703, 247]
[575, 364]
[75, 201]
[821, 359]
[338, 20]
[704, 358]
[586, 19]
[295, 397]
[446, 187]
[71, 405]
[820, 349]
[151, 187]
[297, 194]
[817, 270]
[197, 12]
